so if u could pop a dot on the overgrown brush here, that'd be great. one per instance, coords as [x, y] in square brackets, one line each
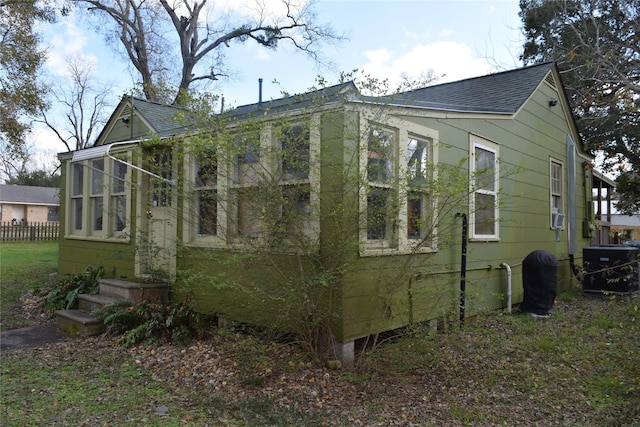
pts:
[63, 295]
[147, 322]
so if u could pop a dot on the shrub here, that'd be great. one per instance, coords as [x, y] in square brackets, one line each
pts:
[63, 295]
[148, 322]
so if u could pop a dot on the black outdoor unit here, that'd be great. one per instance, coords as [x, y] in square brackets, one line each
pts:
[611, 268]
[540, 283]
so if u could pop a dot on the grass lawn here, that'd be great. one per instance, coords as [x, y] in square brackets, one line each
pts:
[24, 266]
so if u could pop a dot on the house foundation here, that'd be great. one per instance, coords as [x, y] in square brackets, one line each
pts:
[345, 352]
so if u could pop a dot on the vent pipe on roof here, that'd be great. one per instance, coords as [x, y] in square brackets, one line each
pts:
[260, 91]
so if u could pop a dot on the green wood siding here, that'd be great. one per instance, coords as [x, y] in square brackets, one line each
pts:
[378, 293]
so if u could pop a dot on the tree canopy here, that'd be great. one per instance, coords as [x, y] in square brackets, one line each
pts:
[38, 178]
[596, 44]
[21, 58]
[168, 42]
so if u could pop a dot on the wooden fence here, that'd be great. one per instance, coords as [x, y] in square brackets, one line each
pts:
[29, 231]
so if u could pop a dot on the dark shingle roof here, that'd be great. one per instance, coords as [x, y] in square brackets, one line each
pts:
[28, 195]
[499, 93]
[296, 102]
[166, 120]
[502, 93]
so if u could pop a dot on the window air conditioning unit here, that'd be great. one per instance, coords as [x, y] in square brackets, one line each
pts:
[557, 220]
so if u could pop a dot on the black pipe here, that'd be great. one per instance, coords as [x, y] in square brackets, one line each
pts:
[463, 265]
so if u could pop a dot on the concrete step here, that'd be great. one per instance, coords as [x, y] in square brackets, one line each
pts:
[135, 292]
[76, 322]
[89, 303]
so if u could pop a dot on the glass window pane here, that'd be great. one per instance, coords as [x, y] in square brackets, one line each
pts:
[120, 212]
[485, 214]
[294, 146]
[378, 213]
[415, 215]
[247, 158]
[380, 156]
[207, 213]
[248, 214]
[485, 169]
[97, 212]
[296, 211]
[416, 160]
[119, 175]
[78, 179]
[77, 214]
[162, 166]
[556, 178]
[97, 176]
[207, 170]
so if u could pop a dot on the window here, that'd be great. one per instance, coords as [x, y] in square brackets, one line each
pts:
[118, 203]
[381, 184]
[206, 179]
[257, 188]
[293, 218]
[418, 202]
[161, 163]
[53, 214]
[555, 186]
[396, 203]
[248, 174]
[97, 189]
[293, 143]
[484, 189]
[77, 196]
[98, 205]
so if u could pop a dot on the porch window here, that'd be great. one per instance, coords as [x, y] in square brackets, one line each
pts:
[381, 182]
[484, 189]
[97, 207]
[257, 188]
[97, 190]
[248, 174]
[418, 200]
[293, 146]
[118, 204]
[556, 201]
[292, 220]
[77, 196]
[206, 170]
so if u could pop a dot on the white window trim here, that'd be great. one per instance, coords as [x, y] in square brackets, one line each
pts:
[391, 242]
[227, 214]
[405, 243]
[87, 233]
[478, 142]
[400, 243]
[559, 222]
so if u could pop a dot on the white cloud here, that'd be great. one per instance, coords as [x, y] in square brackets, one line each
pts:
[70, 42]
[452, 60]
[446, 32]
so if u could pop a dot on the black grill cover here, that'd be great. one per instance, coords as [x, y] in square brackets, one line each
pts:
[540, 282]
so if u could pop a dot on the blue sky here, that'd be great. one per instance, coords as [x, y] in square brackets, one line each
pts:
[455, 39]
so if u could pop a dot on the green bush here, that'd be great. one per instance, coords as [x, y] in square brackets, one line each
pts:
[63, 295]
[147, 322]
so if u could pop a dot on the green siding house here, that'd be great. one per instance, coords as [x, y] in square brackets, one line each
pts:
[335, 214]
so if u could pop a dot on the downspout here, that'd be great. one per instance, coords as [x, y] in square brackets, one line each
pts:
[463, 265]
[508, 268]
[572, 205]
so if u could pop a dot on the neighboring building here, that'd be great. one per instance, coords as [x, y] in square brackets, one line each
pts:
[335, 200]
[21, 204]
[624, 228]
